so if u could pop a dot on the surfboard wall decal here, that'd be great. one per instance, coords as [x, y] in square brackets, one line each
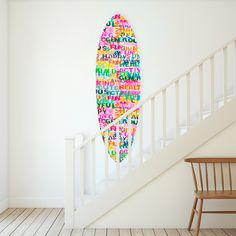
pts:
[117, 82]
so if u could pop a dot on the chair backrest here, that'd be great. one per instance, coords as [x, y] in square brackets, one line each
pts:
[212, 173]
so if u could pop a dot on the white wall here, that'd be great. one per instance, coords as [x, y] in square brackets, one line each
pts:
[3, 105]
[52, 81]
[167, 201]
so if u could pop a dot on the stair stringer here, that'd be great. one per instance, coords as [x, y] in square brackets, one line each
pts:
[154, 167]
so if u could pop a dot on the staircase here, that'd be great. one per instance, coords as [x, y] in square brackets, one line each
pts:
[173, 122]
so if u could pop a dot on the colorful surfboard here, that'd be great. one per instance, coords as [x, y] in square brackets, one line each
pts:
[117, 82]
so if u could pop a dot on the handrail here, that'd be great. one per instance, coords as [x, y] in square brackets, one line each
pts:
[141, 103]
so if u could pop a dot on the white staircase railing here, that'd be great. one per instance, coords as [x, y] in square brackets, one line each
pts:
[219, 62]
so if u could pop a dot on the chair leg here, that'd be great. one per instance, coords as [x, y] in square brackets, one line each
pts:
[199, 217]
[192, 213]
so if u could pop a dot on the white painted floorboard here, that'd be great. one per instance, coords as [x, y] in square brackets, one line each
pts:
[27, 223]
[136, 232]
[50, 222]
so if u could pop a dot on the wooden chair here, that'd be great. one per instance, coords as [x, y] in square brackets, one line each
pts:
[207, 173]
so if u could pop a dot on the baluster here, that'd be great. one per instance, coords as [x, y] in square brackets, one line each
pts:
[81, 175]
[141, 135]
[212, 84]
[77, 142]
[129, 143]
[188, 100]
[117, 150]
[93, 167]
[106, 157]
[235, 68]
[177, 108]
[152, 126]
[201, 90]
[164, 116]
[69, 180]
[225, 74]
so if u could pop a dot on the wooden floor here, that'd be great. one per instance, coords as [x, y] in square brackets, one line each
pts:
[51, 222]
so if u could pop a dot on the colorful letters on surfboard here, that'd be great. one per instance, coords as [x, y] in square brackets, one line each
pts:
[117, 83]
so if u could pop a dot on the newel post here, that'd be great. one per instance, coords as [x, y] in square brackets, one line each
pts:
[70, 150]
[69, 182]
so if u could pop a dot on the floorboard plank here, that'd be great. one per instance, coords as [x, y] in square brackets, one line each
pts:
[8, 220]
[201, 233]
[47, 224]
[160, 232]
[207, 232]
[112, 232]
[79, 232]
[230, 232]
[89, 232]
[23, 227]
[65, 232]
[57, 225]
[125, 232]
[193, 232]
[100, 232]
[136, 232]
[6, 213]
[219, 232]
[148, 232]
[184, 232]
[172, 232]
[32, 229]
[13, 226]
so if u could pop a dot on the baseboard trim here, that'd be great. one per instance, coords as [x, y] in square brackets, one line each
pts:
[3, 205]
[36, 202]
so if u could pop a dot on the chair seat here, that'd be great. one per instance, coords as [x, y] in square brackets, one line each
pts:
[227, 194]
